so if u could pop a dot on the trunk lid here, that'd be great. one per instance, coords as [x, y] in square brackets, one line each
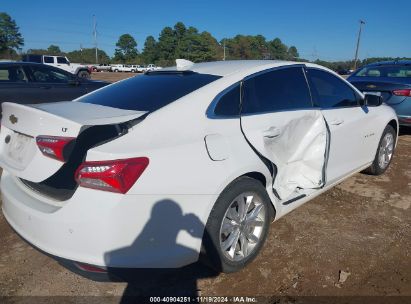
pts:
[21, 124]
[384, 87]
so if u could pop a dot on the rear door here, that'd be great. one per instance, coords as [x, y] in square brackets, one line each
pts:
[14, 85]
[351, 126]
[279, 121]
[54, 84]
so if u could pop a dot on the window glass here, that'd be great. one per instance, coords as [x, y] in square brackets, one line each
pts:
[282, 89]
[48, 59]
[45, 74]
[390, 71]
[62, 60]
[12, 74]
[229, 103]
[329, 91]
[148, 92]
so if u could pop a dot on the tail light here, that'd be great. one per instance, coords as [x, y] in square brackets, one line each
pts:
[113, 175]
[403, 92]
[53, 146]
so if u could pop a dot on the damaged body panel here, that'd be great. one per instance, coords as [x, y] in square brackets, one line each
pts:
[280, 123]
[295, 143]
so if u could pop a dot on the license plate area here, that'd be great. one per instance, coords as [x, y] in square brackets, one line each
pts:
[373, 93]
[18, 148]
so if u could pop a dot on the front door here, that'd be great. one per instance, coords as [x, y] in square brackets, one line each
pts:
[349, 124]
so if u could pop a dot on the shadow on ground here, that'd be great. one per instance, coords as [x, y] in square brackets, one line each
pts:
[158, 242]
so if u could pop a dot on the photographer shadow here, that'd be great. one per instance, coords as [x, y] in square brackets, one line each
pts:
[160, 232]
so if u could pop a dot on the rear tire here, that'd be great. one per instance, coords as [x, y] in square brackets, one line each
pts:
[237, 226]
[83, 74]
[385, 152]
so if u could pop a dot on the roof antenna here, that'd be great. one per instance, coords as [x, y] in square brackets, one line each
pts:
[183, 64]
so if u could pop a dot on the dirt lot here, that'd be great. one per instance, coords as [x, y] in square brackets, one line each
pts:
[362, 227]
[111, 76]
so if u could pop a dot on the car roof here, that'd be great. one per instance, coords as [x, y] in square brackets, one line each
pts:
[390, 62]
[228, 67]
[20, 63]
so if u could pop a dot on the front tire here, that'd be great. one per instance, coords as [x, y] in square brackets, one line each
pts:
[237, 227]
[384, 152]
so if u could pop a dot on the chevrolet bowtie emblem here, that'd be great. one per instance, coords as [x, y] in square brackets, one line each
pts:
[371, 86]
[13, 119]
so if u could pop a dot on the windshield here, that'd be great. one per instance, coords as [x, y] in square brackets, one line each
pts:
[395, 71]
[148, 92]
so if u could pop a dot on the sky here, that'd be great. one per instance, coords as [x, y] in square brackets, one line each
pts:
[318, 28]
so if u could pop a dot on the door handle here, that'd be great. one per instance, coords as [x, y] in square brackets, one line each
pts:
[272, 132]
[337, 122]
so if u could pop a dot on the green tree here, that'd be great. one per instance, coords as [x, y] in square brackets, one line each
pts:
[167, 46]
[37, 51]
[54, 50]
[278, 49]
[126, 50]
[293, 53]
[10, 37]
[150, 52]
[88, 55]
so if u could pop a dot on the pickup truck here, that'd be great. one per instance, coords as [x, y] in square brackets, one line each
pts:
[103, 67]
[60, 62]
[151, 67]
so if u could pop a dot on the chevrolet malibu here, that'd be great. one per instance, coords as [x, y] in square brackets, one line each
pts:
[185, 163]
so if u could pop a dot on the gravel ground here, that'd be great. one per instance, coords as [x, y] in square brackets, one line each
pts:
[353, 240]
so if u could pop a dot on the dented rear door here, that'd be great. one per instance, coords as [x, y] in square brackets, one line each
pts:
[280, 123]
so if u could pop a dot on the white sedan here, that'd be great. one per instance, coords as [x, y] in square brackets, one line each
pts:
[185, 163]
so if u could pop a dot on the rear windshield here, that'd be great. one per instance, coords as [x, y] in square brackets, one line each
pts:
[394, 71]
[148, 92]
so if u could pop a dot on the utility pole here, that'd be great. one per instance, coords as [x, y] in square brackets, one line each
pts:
[81, 52]
[358, 44]
[95, 36]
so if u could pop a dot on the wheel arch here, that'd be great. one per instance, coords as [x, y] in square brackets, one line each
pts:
[393, 123]
[260, 177]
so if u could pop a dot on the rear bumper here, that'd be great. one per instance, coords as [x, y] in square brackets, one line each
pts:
[109, 229]
[404, 120]
[403, 111]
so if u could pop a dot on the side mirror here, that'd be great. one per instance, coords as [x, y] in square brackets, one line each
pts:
[371, 100]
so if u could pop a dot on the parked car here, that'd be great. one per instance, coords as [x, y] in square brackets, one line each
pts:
[152, 67]
[60, 62]
[141, 68]
[135, 68]
[123, 68]
[344, 72]
[392, 81]
[102, 67]
[136, 176]
[26, 82]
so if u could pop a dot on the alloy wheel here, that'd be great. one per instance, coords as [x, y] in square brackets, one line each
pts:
[242, 226]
